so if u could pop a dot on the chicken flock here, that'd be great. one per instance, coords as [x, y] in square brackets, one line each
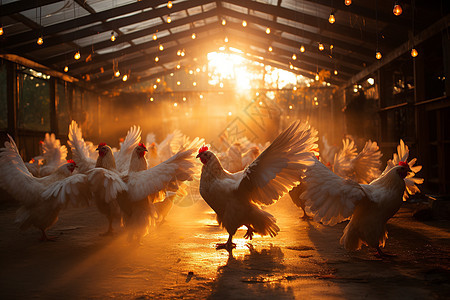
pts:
[139, 183]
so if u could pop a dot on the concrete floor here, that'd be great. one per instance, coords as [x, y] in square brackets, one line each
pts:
[179, 260]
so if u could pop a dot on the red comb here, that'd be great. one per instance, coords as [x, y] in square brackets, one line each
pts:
[70, 161]
[101, 145]
[41, 142]
[403, 163]
[142, 145]
[202, 149]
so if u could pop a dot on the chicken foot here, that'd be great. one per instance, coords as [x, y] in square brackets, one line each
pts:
[229, 245]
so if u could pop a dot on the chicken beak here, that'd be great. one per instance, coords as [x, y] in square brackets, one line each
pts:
[198, 155]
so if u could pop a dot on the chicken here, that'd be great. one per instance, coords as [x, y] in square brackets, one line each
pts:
[158, 153]
[333, 199]
[54, 154]
[42, 198]
[142, 183]
[235, 197]
[362, 167]
[105, 185]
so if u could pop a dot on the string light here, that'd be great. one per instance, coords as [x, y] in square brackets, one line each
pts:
[317, 77]
[117, 73]
[155, 86]
[169, 19]
[335, 72]
[77, 55]
[226, 39]
[125, 77]
[378, 55]
[397, 9]
[230, 113]
[294, 57]
[169, 4]
[244, 23]
[184, 99]
[414, 52]
[113, 37]
[175, 104]
[331, 19]
[193, 36]
[348, 2]
[161, 47]
[66, 69]
[155, 37]
[183, 53]
[194, 83]
[178, 66]
[290, 106]
[178, 82]
[151, 99]
[224, 22]
[268, 30]
[158, 80]
[302, 49]
[1, 30]
[201, 96]
[291, 66]
[156, 58]
[321, 47]
[371, 81]
[270, 49]
[40, 41]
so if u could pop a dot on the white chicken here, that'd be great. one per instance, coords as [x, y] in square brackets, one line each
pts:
[333, 199]
[362, 167]
[42, 198]
[235, 197]
[158, 153]
[105, 185]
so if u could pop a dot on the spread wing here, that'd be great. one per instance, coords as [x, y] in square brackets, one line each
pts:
[342, 163]
[179, 167]
[411, 181]
[15, 177]
[131, 141]
[73, 190]
[330, 197]
[80, 150]
[278, 168]
[105, 183]
[54, 154]
[366, 165]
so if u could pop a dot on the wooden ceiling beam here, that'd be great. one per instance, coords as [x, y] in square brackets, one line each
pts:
[22, 5]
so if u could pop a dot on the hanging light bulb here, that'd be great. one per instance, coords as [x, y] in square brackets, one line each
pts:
[178, 66]
[294, 57]
[291, 66]
[117, 73]
[125, 77]
[414, 52]
[113, 37]
[331, 19]
[77, 55]
[194, 83]
[335, 72]
[193, 36]
[348, 2]
[331, 47]
[158, 80]
[155, 37]
[183, 53]
[1, 30]
[169, 4]
[161, 47]
[268, 30]
[321, 47]
[226, 40]
[151, 99]
[317, 77]
[66, 69]
[378, 55]
[302, 49]
[178, 82]
[156, 58]
[40, 41]
[224, 22]
[169, 19]
[244, 23]
[270, 49]
[397, 9]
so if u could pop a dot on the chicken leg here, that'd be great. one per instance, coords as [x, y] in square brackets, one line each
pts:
[229, 245]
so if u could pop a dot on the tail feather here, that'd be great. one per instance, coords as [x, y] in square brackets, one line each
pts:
[263, 223]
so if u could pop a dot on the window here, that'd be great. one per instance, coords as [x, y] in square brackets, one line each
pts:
[3, 98]
[62, 108]
[34, 100]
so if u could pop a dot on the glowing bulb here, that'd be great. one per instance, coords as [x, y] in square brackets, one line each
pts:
[270, 49]
[178, 82]
[175, 104]
[117, 73]
[290, 106]
[169, 19]
[295, 88]
[66, 69]
[40, 41]
[193, 36]
[226, 40]
[113, 37]
[151, 99]
[348, 2]
[414, 52]
[191, 72]
[378, 55]
[155, 37]
[197, 70]
[244, 23]
[291, 66]
[268, 30]
[317, 77]
[321, 47]
[161, 47]
[125, 77]
[77, 55]
[331, 19]
[397, 9]
[184, 99]
[371, 81]
[221, 84]
[1, 30]
[156, 58]
[331, 47]
[158, 80]
[183, 53]
[194, 83]
[294, 57]
[169, 4]
[302, 49]
[230, 113]
[201, 96]
[178, 67]
[224, 22]
[335, 72]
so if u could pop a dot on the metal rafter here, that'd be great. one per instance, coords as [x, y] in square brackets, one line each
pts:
[23, 5]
